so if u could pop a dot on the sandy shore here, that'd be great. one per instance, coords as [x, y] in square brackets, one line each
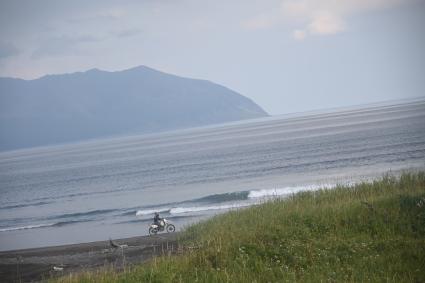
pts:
[31, 265]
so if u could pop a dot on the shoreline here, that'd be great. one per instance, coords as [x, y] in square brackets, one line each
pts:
[36, 264]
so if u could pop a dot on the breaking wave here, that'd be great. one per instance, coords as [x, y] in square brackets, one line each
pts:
[281, 192]
[151, 211]
[228, 200]
[217, 198]
[167, 207]
[188, 208]
[26, 227]
[178, 210]
[44, 225]
[83, 214]
[171, 217]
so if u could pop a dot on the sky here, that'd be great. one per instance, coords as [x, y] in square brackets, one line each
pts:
[286, 55]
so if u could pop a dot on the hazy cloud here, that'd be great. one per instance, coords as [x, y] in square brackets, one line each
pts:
[62, 45]
[326, 23]
[126, 32]
[326, 17]
[261, 21]
[7, 49]
[67, 45]
[113, 13]
[315, 17]
[102, 15]
[299, 34]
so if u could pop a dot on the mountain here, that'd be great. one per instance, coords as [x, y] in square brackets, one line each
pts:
[92, 104]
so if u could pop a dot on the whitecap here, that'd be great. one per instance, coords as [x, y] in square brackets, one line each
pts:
[27, 227]
[177, 210]
[151, 211]
[281, 192]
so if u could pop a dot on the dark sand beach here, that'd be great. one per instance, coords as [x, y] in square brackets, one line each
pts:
[30, 265]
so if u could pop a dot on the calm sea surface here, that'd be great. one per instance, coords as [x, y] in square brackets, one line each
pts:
[109, 188]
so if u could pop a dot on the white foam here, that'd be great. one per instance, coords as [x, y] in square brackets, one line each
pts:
[26, 227]
[177, 210]
[254, 194]
[281, 192]
[151, 211]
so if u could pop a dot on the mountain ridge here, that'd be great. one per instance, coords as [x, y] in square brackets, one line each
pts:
[95, 103]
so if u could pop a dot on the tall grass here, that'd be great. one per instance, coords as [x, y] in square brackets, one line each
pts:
[369, 232]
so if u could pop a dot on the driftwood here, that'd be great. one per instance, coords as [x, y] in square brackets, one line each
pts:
[115, 245]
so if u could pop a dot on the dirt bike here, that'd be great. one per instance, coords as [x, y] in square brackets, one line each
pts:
[164, 225]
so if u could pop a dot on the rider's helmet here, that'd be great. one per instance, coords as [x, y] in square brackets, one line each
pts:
[156, 214]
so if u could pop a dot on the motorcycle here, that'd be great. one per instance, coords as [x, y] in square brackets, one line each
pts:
[164, 225]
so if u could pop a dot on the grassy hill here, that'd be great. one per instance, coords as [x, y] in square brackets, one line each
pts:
[370, 232]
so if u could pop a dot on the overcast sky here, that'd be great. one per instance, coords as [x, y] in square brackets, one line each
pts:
[286, 55]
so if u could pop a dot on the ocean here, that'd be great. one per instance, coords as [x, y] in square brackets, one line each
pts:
[110, 188]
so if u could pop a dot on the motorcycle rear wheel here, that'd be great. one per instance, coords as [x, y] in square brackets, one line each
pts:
[152, 231]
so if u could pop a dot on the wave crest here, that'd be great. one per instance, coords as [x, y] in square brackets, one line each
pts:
[151, 211]
[222, 201]
[281, 192]
[27, 227]
[43, 225]
[178, 210]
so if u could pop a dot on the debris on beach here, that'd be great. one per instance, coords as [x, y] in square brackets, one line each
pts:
[115, 245]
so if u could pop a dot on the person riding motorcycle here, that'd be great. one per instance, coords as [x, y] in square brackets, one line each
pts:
[160, 224]
[158, 220]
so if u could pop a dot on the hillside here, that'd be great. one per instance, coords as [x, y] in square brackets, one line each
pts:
[371, 232]
[92, 104]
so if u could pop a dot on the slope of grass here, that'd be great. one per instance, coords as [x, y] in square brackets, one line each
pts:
[370, 232]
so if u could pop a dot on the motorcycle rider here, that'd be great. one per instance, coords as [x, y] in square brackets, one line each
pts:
[158, 220]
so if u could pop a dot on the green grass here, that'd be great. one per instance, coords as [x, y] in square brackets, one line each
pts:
[370, 232]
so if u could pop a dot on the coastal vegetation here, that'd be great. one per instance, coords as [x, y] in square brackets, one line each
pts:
[366, 232]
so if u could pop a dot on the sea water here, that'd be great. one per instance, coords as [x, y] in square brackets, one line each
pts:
[110, 188]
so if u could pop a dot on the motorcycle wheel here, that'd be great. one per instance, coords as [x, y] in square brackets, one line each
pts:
[171, 228]
[152, 231]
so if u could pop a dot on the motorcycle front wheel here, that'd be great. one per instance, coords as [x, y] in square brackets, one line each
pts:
[171, 228]
[152, 231]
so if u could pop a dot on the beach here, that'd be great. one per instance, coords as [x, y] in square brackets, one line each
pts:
[36, 264]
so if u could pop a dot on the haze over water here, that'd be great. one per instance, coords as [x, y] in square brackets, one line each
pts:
[110, 188]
